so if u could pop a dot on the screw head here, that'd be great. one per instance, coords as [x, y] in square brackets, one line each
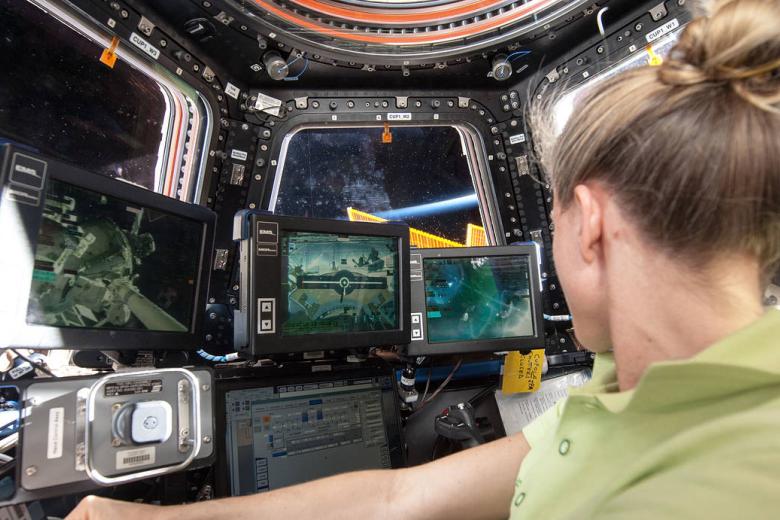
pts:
[115, 407]
[30, 471]
[206, 439]
[115, 443]
[205, 388]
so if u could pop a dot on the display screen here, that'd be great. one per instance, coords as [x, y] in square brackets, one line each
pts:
[285, 435]
[339, 283]
[478, 298]
[101, 262]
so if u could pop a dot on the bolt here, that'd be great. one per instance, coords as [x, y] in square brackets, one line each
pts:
[163, 43]
[258, 177]
[205, 388]
[206, 439]
[235, 287]
[30, 471]
[184, 432]
[213, 315]
[244, 126]
[116, 406]
[209, 337]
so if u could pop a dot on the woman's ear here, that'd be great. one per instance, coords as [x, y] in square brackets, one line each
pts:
[589, 212]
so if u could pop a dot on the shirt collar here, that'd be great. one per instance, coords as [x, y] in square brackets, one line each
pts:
[747, 359]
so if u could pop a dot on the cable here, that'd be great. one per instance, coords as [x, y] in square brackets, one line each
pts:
[517, 54]
[561, 317]
[600, 20]
[427, 385]
[33, 364]
[233, 356]
[439, 389]
[305, 67]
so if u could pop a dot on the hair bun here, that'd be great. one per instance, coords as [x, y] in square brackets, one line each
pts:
[737, 44]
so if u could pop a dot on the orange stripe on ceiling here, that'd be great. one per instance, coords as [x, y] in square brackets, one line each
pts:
[412, 39]
[177, 122]
[421, 16]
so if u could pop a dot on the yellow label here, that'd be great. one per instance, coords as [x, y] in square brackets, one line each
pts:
[523, 372]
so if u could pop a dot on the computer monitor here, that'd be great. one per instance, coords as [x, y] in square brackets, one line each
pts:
[476, 300]
[281, 430]
[313, 284]
[95, 262]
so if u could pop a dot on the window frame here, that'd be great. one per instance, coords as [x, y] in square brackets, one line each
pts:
[187, 125]
[473, 147]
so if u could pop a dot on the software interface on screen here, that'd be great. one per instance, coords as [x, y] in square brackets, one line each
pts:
[477, 298]
[101, 262]
[283, 435]
[339, 283]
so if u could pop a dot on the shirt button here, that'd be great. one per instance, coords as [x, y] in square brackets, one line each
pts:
[519, 499]
[564, 447]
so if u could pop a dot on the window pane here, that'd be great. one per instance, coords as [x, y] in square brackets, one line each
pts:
[564, 107]
[56, 96]
[422, 177]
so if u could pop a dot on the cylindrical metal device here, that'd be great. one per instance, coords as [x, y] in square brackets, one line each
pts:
[275, 65]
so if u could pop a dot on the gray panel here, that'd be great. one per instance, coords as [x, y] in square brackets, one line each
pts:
[43, 466]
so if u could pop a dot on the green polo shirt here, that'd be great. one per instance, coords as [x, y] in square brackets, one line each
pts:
[698, 438]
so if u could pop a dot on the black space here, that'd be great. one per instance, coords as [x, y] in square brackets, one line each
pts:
[57, 97]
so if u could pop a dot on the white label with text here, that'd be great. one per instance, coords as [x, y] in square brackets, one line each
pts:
[135, 458]
[399, 116]
[56, 431]
[145, 46]
[232, 90]
[664, 29]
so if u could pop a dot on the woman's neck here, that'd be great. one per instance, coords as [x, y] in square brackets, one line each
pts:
[673, 315]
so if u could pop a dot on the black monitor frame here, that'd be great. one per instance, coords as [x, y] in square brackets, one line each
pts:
[261, 278]
[419, 344]
[21, 210]
[228, 380]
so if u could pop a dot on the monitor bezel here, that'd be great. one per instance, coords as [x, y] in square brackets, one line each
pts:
[20, 333]
[422, 347]
[261, 287]
[299, 374]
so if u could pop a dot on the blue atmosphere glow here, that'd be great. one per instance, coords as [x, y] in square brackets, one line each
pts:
[432, 208]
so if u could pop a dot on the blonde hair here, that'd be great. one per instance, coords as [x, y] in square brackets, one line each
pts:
[690, 149]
